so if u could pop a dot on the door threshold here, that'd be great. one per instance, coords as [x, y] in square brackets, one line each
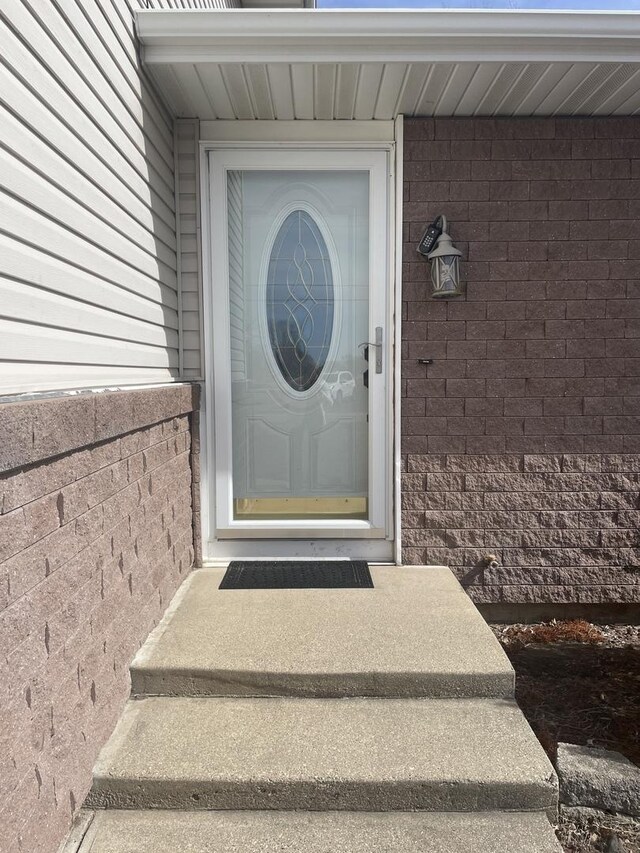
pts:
[212, 563]
[221, 551]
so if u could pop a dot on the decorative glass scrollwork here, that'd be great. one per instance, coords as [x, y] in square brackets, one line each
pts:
[300, 300]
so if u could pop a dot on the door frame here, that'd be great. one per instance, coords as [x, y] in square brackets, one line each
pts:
[308, 541]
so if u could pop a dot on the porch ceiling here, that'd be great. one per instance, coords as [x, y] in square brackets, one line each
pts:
[337, 64]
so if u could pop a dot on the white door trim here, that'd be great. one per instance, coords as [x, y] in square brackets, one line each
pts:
[300, 538]
[395, 311]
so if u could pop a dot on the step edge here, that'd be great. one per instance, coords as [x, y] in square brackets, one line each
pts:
[178, 681]
[311, 795]
[114, 822]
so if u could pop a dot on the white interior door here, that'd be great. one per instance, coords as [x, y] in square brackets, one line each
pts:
[300, 269]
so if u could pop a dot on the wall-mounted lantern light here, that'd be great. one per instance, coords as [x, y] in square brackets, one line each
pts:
[444, 258]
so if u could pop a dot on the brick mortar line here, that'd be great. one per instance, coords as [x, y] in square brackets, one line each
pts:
[123, 458]
[103, 533]
[93, 640]
[196, 485]
[52, 699]
[184, 453]
[121, 616]
[504, 530]
[511, 473]
[89, 422]
[603, 587]
[115, 589]
[110, 496]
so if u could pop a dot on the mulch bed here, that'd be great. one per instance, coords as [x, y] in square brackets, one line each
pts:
[580, 683]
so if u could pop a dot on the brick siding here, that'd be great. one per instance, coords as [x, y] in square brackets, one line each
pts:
[93, 544]
[522, 439]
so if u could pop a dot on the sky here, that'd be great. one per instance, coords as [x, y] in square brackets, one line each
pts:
[604, 5]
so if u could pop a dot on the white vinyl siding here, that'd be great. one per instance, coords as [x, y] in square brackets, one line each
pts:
[187, 177]
[88, 283]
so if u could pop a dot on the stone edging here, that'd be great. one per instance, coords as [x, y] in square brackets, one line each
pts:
[35, 430]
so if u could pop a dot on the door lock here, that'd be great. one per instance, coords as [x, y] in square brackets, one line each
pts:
[378, 345]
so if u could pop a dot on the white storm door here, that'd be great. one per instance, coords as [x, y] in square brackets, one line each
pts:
[300, 343]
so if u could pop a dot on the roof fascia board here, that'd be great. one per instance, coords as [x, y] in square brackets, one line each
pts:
[387, 35]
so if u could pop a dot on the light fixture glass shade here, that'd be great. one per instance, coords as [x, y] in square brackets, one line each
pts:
[445, 276]
[445, 268]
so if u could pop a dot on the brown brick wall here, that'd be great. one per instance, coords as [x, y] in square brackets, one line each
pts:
[93, 544]
[522, 439]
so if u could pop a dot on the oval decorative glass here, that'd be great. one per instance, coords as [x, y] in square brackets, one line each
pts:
[300, 300]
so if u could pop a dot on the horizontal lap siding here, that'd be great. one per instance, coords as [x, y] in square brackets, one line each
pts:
[88, 283]
[187, 137]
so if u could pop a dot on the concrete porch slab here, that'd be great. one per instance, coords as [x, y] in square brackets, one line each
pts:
[415, 634]
[324, 754]
[318, 832]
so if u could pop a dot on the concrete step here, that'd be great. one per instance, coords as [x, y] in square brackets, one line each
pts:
[415, 634]
[324, 754]
[318, 832]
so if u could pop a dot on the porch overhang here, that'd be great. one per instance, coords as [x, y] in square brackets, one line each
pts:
[377, 64]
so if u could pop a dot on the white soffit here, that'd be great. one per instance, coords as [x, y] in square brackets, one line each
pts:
[181, 5]
[377, 64]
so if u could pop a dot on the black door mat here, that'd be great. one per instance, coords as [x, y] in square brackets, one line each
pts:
[291, 574]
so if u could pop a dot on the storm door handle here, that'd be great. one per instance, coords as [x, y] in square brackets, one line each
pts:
[378, 345]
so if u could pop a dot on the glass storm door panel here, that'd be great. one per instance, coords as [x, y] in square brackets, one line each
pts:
[299, 333]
